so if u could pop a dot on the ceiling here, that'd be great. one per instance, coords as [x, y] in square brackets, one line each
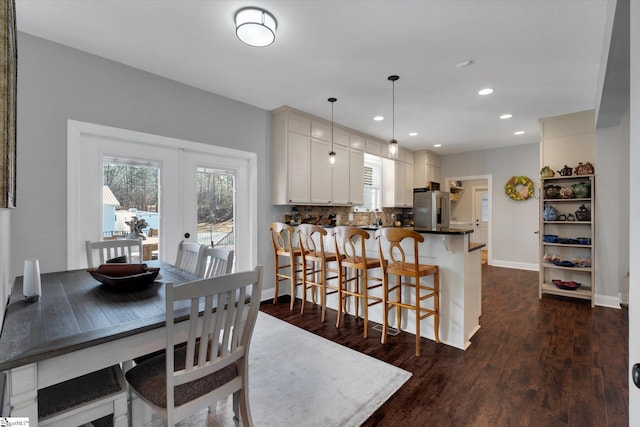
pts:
[542, 57]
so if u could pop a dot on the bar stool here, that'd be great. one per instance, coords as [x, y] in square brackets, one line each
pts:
[352, 259]
[396, 265]
[281, 237]
[314, 265]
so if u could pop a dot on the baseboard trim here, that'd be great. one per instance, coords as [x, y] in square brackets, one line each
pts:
[516, 265]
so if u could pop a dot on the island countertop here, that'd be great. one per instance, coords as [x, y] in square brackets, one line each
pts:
[428, 230]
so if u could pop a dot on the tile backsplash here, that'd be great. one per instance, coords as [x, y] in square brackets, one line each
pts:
[322, 215]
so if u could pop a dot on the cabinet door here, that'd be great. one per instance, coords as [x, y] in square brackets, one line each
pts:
[298, 176]
[408, 185]
[340, 176]
[321, 183]
[399, 186]
[356, 178]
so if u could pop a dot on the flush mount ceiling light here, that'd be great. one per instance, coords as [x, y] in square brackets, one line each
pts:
[485, 91]
[332, 154]
[393, 144]
[255, 26]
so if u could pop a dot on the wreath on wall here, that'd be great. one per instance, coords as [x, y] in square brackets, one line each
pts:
[519, 188]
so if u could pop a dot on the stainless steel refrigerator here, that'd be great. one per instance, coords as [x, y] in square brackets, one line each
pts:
[431, 209]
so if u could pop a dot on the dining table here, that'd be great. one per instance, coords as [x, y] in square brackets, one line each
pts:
[78, 326]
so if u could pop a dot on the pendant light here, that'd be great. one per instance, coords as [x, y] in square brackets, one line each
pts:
[393, 144]
[332, 154]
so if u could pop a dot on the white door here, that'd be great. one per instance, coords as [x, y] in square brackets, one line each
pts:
[89, 144]
[481, 214]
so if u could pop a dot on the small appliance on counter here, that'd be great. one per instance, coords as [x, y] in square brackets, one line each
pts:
[431, 209]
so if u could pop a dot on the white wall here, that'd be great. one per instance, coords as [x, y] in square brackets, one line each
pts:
[514, 243]
[611, 211]
[5, 259]
[57, 83]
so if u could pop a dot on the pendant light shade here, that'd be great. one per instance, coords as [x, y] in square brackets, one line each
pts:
[332, 154]
[255, 26]
[393, 144]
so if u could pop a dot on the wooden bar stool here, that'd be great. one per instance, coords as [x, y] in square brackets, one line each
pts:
[396, 264]
[314, 265]
[352, 258]
[282, 239]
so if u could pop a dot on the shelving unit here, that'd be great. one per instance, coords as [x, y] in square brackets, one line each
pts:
[568, 230]
[456, 192]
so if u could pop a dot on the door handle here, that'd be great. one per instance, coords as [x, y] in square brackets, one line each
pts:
[635, 374]
[187, 235]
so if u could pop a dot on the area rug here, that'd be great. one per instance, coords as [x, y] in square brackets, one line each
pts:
[299, 379]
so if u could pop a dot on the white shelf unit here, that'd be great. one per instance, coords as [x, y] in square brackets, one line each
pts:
[567, 251]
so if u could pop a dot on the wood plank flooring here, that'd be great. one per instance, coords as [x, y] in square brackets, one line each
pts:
[548, 362]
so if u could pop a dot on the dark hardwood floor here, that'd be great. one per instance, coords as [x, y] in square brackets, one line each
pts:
[548, 362]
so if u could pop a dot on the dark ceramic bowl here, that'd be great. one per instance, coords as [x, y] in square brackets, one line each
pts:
[550, 238]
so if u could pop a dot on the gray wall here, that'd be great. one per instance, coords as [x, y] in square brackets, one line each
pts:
[57, 83]
[514, 243]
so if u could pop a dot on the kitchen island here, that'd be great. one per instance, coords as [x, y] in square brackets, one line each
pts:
[460, 284]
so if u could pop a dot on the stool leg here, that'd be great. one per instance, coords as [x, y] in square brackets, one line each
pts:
[304, 285]
[436, 305]
[417, 310]
[293, 279]
[365, 302]
[399, 301]
[341, 278]
[385, 307]
[277, 270]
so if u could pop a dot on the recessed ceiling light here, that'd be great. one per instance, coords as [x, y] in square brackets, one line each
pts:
[520, 132]
[485, 91]
[378, 118]
[437, 145]
[413, 134]
[506, 116]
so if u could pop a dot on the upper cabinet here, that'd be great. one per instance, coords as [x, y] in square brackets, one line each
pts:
[426, 168]
[301, 173]
[398, 180]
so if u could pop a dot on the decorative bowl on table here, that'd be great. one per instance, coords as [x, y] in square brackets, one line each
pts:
[125, 276]
[567, 286]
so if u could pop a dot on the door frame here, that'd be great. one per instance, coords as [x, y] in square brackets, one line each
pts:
[79, 132]
[474, 202]
[489, 179]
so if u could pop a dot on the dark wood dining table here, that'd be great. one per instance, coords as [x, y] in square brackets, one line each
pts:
[79, 326]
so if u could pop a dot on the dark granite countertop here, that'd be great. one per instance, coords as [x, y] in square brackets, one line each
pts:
[427, 230]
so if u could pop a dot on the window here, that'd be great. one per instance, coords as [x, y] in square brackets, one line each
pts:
[372, 184]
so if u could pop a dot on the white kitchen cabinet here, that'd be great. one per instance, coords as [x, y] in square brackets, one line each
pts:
[397, 184]
[426, 168]
[321, 172]
[373, 147]
[356, 178]
[301, 173]
[340, 176]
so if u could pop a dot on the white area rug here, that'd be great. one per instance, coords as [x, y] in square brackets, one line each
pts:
[299, 379]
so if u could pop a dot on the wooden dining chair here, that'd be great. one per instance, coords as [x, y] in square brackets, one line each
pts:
[287, 259]
[355, 281]
[130, 250]
[213, 363]
[315, 265]
[395, 263]
[215, 262]
[189, 256]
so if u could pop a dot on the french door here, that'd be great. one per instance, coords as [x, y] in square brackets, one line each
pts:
[181, 164]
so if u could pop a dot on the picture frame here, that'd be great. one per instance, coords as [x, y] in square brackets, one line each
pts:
[8, 99]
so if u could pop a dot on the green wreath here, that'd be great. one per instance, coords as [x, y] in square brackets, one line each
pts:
[519, 188]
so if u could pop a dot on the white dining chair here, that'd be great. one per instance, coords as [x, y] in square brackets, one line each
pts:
[216, 262]
[130, 250]
[85, 399]
[189, 256]
[188, 378]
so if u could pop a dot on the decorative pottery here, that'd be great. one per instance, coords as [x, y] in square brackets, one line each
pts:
[583, 214]
[552, 191]
[550, 213]
[547, 172]
[565, 171]
[584, 169]
[566, 193]
[581, 190]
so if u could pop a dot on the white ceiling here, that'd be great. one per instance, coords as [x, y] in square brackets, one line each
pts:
[541, 56]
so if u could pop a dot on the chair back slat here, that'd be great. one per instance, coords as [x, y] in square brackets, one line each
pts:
[189, 256]
[216, 262]
[101, 251]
